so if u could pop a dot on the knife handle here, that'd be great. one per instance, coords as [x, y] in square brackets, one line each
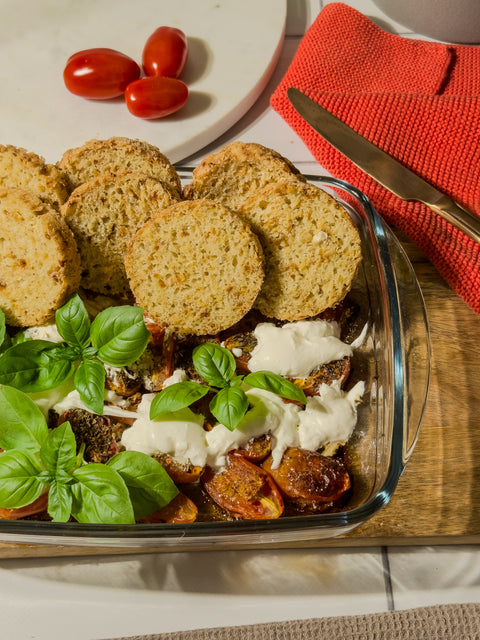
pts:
[457, 216]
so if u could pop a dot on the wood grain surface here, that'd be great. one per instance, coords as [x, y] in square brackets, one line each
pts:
[437, 499]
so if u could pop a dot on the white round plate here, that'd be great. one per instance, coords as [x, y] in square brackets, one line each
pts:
[233, 48]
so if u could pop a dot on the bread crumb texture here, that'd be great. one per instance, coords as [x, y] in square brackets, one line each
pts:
[312, 249]
[196, 268]
[103, 214]
[117, 155]
[26, 170]
[39, 262]
[232, 174]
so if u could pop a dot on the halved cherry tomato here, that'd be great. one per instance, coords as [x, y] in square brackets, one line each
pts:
[100, 73]
[181, 510]
[165, 53]
[39, 505]
[244, 489]
[155, 97]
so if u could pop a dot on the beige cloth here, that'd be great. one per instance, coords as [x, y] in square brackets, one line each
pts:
[441, 622]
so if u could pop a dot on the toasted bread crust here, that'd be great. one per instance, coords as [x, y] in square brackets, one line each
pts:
[117, 155]
[196, 267]
[312, 249]
[103, 214]
[39, 262]
[23, 169]
[232, 174]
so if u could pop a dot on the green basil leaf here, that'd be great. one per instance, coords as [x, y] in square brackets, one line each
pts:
[19, 485]
[214, 363]
[73, 323]
[120, 335]
[100, 496]
[229, 406]
[34, 366]
[60, 501]
[149, 485]
[276, 384]
[3, 327]
[59, 451]
[177, 396]
[90, 383]
[22, 423]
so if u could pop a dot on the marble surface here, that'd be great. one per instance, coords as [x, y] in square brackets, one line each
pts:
[106, 597]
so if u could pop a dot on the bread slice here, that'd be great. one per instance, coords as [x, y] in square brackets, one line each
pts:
[118, 155]
[312, 249]
[39, 262]
[196, 268]
[103, 215]
[22, 169]
[232, 174]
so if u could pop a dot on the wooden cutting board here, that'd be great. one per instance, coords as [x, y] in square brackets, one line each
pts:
[438, 497]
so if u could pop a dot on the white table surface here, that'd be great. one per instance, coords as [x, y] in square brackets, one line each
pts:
[106, 597]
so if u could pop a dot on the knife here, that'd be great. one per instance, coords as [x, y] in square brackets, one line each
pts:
[384, 169]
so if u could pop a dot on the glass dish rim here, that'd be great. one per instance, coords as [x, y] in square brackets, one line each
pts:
[78, 533]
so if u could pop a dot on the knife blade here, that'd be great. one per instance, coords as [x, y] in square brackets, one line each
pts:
[384, 169]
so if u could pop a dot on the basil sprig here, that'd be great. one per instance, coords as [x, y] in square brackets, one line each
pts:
[216, 365]
[116, 337]
[131, 485]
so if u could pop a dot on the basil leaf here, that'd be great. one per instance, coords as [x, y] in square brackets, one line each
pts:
[276, 384]
[100, 496]
[19, 485]
[229, 406]
[60, 501]
[149, 485]
[120, 335]
[90, 383]
[59, 451]
[34, 366]
[214, 363]
[73, 323]
[3, 327]
[177, 396]
[22, 423]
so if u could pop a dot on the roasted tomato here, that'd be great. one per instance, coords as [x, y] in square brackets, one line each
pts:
[244, 489]
[181, 510]
[99, 434]
[306, 477]
[155, 97]
[165, 52]
[257, 449]
[99, 73]
[38, 506]
[178, 472]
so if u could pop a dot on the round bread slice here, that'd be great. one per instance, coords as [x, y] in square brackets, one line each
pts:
[39, 262]
[196, 268]
[312, 249]
[118, 155]
[103, 215]
[22, 169]
[232, 174]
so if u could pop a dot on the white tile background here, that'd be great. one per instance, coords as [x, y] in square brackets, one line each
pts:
[106, 597]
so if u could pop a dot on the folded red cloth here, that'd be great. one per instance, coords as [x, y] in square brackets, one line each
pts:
[418, 101]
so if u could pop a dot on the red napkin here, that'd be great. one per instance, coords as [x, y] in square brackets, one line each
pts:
[418, 101]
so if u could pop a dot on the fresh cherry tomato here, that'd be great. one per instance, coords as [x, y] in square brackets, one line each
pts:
[165, 52]
[99, 73]
[155, 96]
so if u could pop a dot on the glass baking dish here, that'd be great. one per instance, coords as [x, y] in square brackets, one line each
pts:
[394, 362]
